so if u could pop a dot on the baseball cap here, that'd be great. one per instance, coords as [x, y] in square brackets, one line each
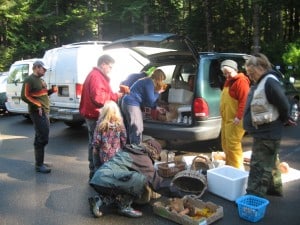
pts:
[40, 63]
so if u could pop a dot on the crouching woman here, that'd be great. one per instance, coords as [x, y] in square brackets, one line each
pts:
[127, 177]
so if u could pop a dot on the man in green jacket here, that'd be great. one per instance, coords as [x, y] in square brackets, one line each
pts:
[36, 95]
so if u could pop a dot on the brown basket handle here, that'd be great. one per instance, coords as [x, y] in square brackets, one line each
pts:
[193, 166]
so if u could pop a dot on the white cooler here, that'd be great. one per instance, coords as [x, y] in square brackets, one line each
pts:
[227, 182]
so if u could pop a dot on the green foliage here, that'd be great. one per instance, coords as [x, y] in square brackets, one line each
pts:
[5, 56]
[292, 58]
[29, 27]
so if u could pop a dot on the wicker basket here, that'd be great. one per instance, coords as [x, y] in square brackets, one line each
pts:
[191, 181]
[170, 169]
[202, 163]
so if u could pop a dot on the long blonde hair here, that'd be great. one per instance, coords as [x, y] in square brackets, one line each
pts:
[158, 76]
[110, 114]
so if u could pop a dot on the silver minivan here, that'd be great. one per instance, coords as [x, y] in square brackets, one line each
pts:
[192, 112]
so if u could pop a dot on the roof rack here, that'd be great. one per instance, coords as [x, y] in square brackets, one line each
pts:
[90, 43]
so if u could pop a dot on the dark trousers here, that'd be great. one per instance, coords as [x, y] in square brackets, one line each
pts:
[114, 195]
[41, 126]
[264, 174]
[91, 125]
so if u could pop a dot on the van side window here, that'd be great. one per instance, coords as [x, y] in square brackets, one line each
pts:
[169, 71]
[18, 73]
[216, 78]
[184, 77]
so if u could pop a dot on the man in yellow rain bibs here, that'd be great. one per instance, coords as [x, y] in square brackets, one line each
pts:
[232, 104]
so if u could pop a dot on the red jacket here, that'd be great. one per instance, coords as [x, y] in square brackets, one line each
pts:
[96, 91]
[239, 87]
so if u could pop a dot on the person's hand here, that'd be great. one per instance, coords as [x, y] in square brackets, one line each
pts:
[236, 121]
[120, 94]
[40, 110]
[124, 89]
[161, 91]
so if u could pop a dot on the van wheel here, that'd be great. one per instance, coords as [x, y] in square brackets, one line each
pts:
[26, 116]
[74, 124]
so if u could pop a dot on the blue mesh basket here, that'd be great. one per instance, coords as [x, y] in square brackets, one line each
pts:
[252, 208]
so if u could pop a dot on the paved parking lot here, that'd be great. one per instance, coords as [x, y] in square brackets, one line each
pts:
[60, 198]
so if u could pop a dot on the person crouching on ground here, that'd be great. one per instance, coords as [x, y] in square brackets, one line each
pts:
[127, 177]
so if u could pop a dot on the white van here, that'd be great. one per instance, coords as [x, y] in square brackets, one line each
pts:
[18, 71]
[69, 66]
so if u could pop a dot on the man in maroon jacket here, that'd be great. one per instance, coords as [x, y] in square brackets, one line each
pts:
[95, 92]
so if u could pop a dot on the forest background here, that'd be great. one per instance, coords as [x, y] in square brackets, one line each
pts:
[29, 27]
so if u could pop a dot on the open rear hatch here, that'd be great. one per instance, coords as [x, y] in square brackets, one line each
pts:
[165, 51]
[150, 44]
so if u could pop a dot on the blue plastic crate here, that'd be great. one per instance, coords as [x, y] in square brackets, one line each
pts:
[252, 208]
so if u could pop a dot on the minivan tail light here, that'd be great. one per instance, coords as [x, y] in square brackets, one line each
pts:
[200, 109]
[78, 90]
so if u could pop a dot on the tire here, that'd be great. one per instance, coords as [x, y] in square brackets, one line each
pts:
[26, 116]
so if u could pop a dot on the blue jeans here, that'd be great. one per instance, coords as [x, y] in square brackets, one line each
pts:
[41, 126]
[91, 125]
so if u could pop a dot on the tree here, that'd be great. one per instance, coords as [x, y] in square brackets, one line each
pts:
[28, 28]
[292, 58]
[256, 36]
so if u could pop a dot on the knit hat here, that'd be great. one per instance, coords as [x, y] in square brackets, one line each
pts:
[229, 63]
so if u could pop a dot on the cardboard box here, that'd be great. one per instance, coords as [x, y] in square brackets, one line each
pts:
[181, 96]
[160, 208]
[227, 182]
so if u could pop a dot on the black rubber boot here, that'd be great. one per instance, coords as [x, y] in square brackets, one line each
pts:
[95, 204]
[124, 203]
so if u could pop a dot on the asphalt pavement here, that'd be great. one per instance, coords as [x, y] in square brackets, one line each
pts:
[60, 198]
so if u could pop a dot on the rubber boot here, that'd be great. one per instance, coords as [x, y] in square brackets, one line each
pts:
[124, 203]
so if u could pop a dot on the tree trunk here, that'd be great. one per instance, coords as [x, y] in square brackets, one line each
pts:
[146, 24]
[256, 13]
[208, 25]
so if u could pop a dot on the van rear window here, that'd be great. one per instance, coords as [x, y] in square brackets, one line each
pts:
[18, 73]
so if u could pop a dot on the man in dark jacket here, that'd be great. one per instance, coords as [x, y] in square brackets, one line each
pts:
[96, 91]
